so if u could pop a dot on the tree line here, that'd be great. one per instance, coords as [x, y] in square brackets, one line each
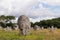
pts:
[6, 21]
[48, 23]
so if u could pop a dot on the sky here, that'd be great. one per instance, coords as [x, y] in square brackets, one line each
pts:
[36, 10]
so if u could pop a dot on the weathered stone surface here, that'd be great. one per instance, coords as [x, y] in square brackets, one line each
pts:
[8, 29]
[36, 27]
[1, 28]
[16, 27]
[42, 27]
[24, 24]
[51, 29]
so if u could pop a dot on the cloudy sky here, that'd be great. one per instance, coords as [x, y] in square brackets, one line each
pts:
[36, 10]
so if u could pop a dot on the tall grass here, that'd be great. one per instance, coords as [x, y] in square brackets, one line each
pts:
[34, 35]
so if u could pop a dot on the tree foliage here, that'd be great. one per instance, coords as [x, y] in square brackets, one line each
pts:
[5, 19]
[10, 17]
[48, 23]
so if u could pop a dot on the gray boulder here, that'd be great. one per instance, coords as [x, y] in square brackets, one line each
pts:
[36, 27]
[24, 24]
[51, 29]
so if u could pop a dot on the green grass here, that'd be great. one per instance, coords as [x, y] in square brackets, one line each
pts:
[34, 35]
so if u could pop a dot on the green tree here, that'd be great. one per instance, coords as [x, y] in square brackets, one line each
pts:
[5, 19]
[10, 17]
[48, 23]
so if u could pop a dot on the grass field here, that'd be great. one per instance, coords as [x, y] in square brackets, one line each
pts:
[34, 35]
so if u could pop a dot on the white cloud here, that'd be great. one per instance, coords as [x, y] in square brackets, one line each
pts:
[52, 2]
[16, 6]
[31, 8]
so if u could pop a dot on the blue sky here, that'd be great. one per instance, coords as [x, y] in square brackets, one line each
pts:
[36, 10]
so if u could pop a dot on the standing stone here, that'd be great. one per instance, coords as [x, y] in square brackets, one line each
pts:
[16, 27]
[24, 25]
[1, 28]
[42, 27]
[51, 29]
[8, 29]
[36, 27]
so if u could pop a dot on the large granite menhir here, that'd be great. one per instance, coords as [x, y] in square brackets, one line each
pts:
[24, 25]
